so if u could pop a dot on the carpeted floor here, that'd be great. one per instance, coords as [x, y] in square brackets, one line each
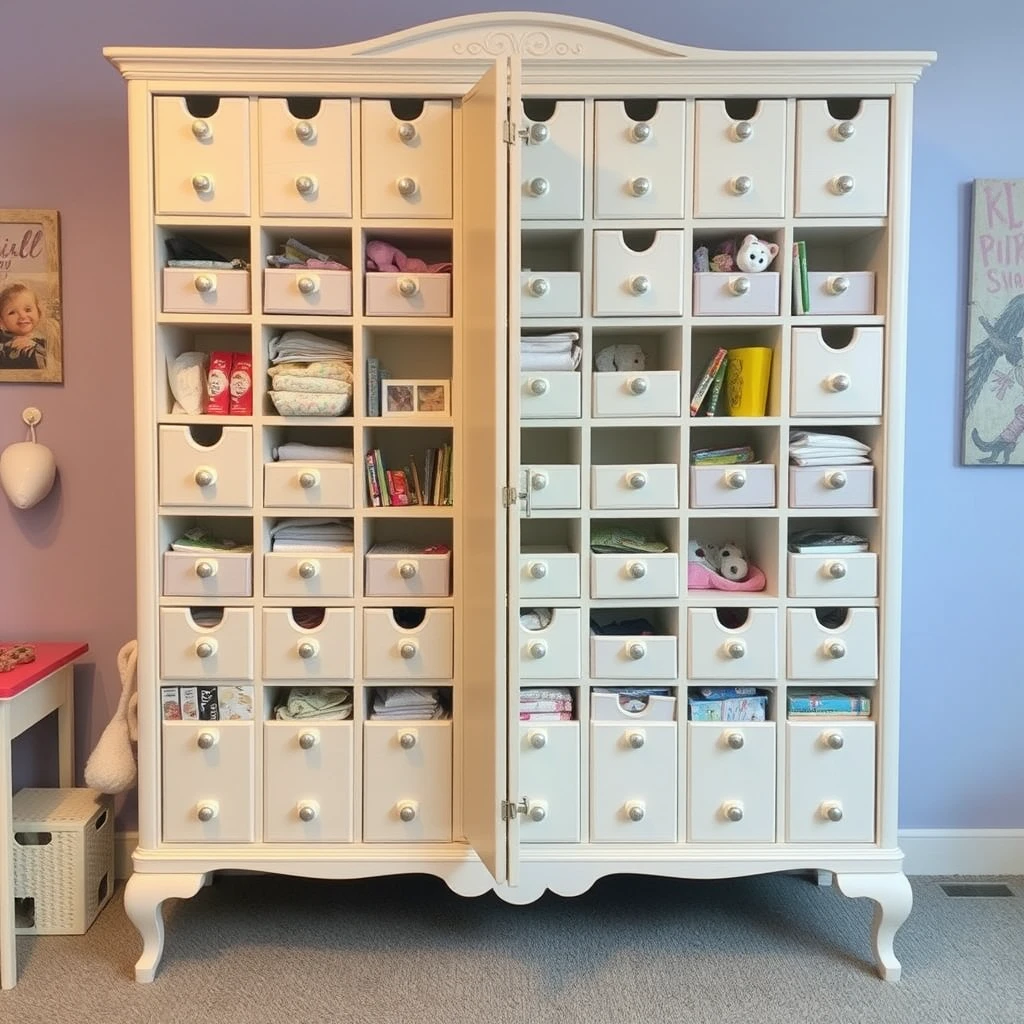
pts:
[634, 949]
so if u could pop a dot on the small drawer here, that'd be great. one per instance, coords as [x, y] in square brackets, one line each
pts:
[200, 653]
[408, 575]
[634, 657]
[639, 165]
[750, 651]
[550, 293]
[321, 654]
[750, 486]
[407, 164]
[552, 164]
[312, 292]
[829, 381]
[201, 164]
[217, 475]
[324, 485]
[408, 294]
[313, 574]
[206, 291]
[634, 575]
[628, 282]
[552, 652]
[407, 781]
[545, 574]
[830, 780]
[393, 652]
[549, 772]
[307, 782]
[835, 487]
[207, 574]
[645, 393]
[833, 576]
[606, 707]
[552, 486]
[848, 652]
[736, 294]
[731, 789]
[740, 166]
[843, 293]
[637, 486]
[305, 163]
[549, 395]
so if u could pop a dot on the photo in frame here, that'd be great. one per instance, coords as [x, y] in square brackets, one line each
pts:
[31, 320]
[415, 398]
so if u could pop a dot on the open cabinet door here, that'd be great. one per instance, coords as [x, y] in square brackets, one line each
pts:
[483, 554]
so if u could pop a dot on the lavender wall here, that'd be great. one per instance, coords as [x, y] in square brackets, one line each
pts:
[66, 568]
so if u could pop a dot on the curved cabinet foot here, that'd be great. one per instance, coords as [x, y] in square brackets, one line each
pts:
[143, 896]
[893, 899]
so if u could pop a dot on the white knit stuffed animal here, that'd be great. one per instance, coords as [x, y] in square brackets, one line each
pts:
[111, 766]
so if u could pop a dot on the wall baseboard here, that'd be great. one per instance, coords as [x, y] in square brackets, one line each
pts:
[928, 851]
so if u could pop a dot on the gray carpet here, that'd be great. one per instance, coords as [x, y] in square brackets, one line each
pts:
[754, 951]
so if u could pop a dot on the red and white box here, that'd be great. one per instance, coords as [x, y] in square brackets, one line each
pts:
[218, 384]
[240, 402]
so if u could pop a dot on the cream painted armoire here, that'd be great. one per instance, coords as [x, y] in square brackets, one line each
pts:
[575, 176]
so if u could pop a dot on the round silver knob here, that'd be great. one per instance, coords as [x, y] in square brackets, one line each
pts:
[835, 649]
[637, 385]
[735, 740]
[206, 740]
[833, 811]
[636, 570]
[742, 185]
[407, 649]
[836, 480]
[742, 130]
[305, 131]
[636, 740]
[206, 812]
[733, 812]
[538, 481]
[406, 131]
[538, 386]
[307, 285]
[308, 649]
[407, 187]
[640, 285]
[408, 287]
[538, 186]
[202, 183]
[538, 649]
[639, 186]
[308, 479]
[539, 133]
[206, 570]
[838, 382]
[204, 283]
[636, 651]
[206, 648]
[838, 285]
[538, 570]
[640, 132]
[308, 740]
[204, 476]
[538, 287]
[407, 811]
[844, 130]
[843, 184]
[636, 480]
[736, 649]
[307, 570]
[202, 130]
[538, 740]
[407, 570]
[538, 812]
[739, 285]
[635, 811]
[735, 479]
[307, 812]
[407, 740]
[835, 570]
[834, 740]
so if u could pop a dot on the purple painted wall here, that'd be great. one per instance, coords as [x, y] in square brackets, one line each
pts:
[66, 567]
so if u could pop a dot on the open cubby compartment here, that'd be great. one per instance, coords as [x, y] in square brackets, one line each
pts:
[847, 267]
[299, 289]
[766, 441]
[178, 340]
[339, 531]
[426, 573]
[661, 349]
[867, 526]
[215, 573]
[871, 435]
[737, 292]
[303, 394]
[635, 445]
[757, 537]
[370, 693]
[770, 693]
[401, 289]
[736, 485]
[205, 290]
[406, 445]
[278, 695]
[551, 537]
[549, 700]
[551, 272]
[420, 360]
[643, 648]
[829, 701]
[273, 436]
[705, 343]
[665, 530]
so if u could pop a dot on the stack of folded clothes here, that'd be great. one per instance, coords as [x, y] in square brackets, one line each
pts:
[310, 534]
[310, 375]
[810, 449]
[415, 702]
[550, 352]
[297, 254]
[320, 703]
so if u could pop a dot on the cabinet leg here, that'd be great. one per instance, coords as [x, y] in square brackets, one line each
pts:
[893, 899]
[143, 899]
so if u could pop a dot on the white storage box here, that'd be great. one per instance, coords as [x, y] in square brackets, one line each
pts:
[550, 293]
[63, 859]
[205, 291]
[207, 574]
[408, 294]
[736, 294]
[324, 292]
[832, 487]
[739, 486]
[644, 393]
[404, 570]
[838, 293]
[550, 394]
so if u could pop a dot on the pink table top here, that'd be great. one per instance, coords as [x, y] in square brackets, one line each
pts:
[49, 658]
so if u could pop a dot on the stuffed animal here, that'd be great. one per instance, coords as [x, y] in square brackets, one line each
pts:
[728, 560]
[621, 357]
[755, 255]
[723, 260]
[111, 766]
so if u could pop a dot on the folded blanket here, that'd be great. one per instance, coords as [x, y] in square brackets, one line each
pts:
[550, 360]
[303, 347]
[340, 369]
[295, 451]
[316, 702]
[387, 258]
[312, 385]
[809, 439]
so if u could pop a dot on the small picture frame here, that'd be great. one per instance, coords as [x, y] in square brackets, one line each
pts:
[415, 397]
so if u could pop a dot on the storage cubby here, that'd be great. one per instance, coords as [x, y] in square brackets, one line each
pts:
[724, 286]
[215, 278]
[206, 556]
[757, 536]
[753, 374]
[307, 373]
[847, 269]
[187, 377]
[307, 270]
[407, 273]
[424, 454]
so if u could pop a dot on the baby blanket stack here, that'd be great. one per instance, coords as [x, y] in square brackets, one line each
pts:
[551, 352]
[409, 702]
[810, 449]
[311, 535]
[310, 375]
[319, 703]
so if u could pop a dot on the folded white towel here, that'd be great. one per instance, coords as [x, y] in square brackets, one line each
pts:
[545, 339]
[809, 439]
[302, 346]
[813, 458]
[295, 451]
[323, 546]
[529, 360]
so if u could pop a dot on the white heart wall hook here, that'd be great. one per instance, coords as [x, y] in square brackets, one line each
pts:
[27, 468]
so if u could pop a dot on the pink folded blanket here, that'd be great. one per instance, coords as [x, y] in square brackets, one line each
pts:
[700, 577]
[388, 259]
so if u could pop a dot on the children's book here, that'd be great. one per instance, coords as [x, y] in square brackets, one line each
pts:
[704, 384]
[372, 484]
[827, 702]
[711, 408]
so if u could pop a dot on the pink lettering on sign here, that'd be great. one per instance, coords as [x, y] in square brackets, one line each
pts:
[995, 211]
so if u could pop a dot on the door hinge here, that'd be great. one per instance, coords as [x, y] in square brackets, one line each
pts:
[509, 809]
[509, 496]
[512, 133]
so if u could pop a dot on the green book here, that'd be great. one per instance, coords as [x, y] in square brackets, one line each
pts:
[805, 289]
[716, 389]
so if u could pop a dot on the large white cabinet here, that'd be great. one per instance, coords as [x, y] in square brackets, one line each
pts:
[568, 170]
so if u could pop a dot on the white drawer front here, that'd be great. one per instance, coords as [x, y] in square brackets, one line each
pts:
[206, 291]
[731, 790]
[549, 574]
[423, 652]
[307, 773]
[832, 577]
[549, 395]
[836, 381]
[210, 574]
[636, 486]
[830, 794]
[199, 653]
[306, 163]
[550, 293]
[553, 652]
[732, 486]
[201, 163]
[736, 294]
[639, 170]
[839, 176]
[644, 393]
[832, 487]
[407, 173]
[740, 171]
[314, 292]
[846, 293]
[549, 774]
[634, 657]
[633, 782]
[552, 166]
[192, 474]
[407, 782]
[216, 781]
[307, 485]
[748, 652]
[634, 575]
[849, 652]
[408, 294]
[629, 283]
[316, 574]
[553, 486]
[408, 575]
[321, 654]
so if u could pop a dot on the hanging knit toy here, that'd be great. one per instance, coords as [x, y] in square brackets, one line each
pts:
[111, 766]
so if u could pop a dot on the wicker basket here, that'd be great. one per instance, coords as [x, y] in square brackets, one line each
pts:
[63, 859]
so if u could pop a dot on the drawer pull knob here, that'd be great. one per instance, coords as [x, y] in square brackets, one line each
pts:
[407, 132]
[538, 481]
[205, 283]
[539, 133]
[305, 185]
[837, 285]
[308, 285]
[308, 740]
[538, 570]
[733, 811]
[835, 570]
[640, 285]
[835, 649]
[407, 187]
[308, 570]
[636, 480]
[640, 132]
[735, 740]
[834, 740]
[206, 648]
[538, 740]
[407, 740]
[202, 184]
[407, 649]
[205, 476]
[735, 649]
[742, 185]
[538, 187]
[305, 131]
[206, 570]
[636, 651]
[843, 131]
[639, 186]
[538, 385]
[635, 811]
[207, 811]
[838, 382]
[735, 479]
[835, 481]
[741, 131]
[842, 185]
[407, 810]
[207, 740]
[538, 812]
[308, 479]
[739, 285]
[538, 287]
[408, 287]
[636, 740]
[637, 385]
[832, 810]
[407, 570]
[538, 649]
[308, 649]
[308, 810]
[636, 570]
[202, 130]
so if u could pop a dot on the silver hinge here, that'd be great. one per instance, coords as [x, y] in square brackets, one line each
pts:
[512, 133]
[509, 810]
[509, 496]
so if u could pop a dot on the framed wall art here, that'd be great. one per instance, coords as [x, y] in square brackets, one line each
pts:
[415, 398]
[31, 327]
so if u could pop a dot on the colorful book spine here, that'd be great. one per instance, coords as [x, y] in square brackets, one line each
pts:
[373, 485]
[414, 470]
[716, 389]
[382, 480]
[828, 702]
[704, 384]
[372, 387]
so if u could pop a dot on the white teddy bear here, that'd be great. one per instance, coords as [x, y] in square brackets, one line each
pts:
[620, 357]
[755, 255]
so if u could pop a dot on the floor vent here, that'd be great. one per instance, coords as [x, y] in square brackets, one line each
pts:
[977, 889]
